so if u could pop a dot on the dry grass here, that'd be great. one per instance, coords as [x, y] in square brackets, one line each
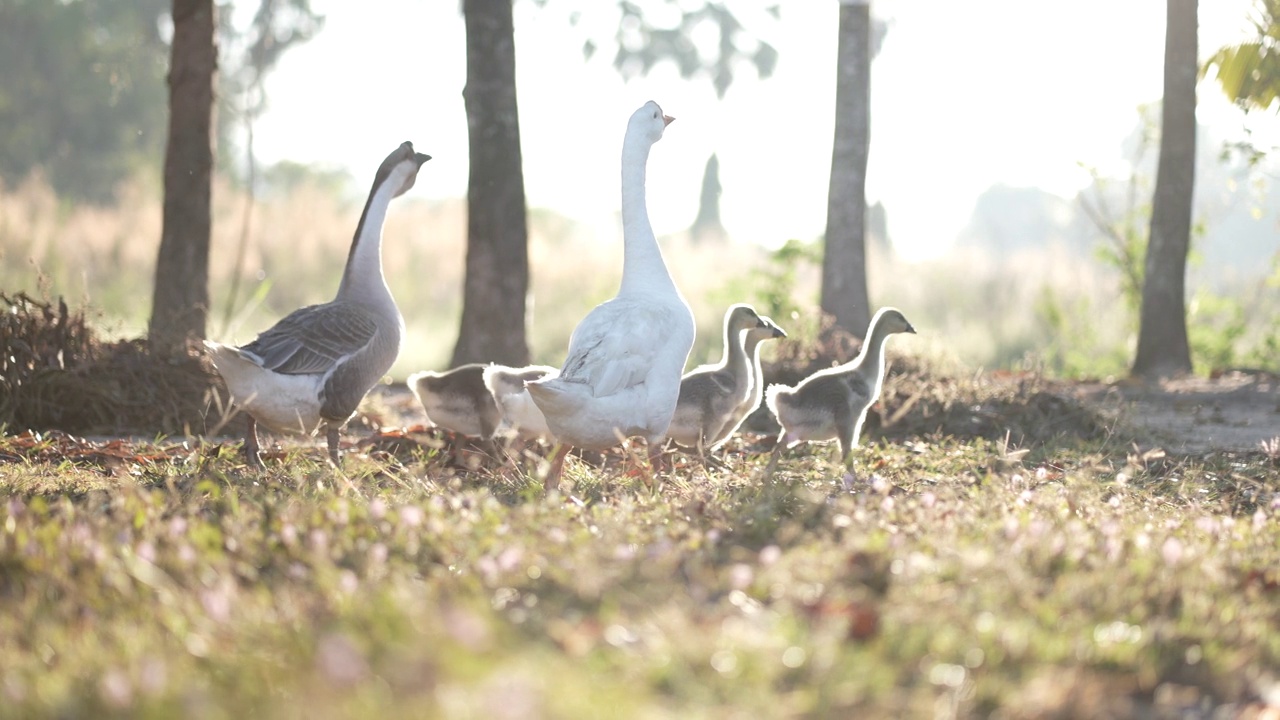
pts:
[100, 257]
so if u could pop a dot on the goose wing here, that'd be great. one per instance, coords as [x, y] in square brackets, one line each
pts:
[615, 346]
[711, 383]
[314, 339]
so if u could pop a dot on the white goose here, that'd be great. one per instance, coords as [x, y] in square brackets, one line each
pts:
[711, 395]
[832, 404]
[518, 411]
[316, 364]
[622, 374]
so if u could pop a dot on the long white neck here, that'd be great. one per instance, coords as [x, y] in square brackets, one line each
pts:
[362, 280]
[643, 269]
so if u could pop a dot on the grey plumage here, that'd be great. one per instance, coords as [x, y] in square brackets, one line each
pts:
[458, 400]
[316, 364]
[832, 404]
[712, 397]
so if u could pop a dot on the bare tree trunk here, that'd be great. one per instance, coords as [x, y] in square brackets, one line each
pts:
[707, 225]
[844, 259]
[180, 304]
[497, 276]
[1162, 330]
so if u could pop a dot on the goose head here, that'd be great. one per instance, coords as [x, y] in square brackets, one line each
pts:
[400, 169]
[890, 320]
[648, 122]
[765, 329]
[739, 317]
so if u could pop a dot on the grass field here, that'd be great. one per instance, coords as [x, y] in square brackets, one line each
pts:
[1073, 574]
[999, 551]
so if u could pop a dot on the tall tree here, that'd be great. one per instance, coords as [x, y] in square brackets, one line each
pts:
[180, 303]
[1163, 350]
[707, 224]
[497, 268]
[844, 264]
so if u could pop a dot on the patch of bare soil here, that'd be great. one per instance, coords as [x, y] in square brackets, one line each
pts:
[1235, 411]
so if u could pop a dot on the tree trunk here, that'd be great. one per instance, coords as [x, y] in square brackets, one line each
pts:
[707, 225]
[180, 304]
[497, 276]
[844, 259]
[1162, 330]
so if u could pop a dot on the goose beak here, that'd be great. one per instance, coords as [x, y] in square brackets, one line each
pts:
[779, 332]
[911, 328]
[667, 120]
[421, 158]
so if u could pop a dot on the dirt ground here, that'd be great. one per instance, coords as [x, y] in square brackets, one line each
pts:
[1235, 411]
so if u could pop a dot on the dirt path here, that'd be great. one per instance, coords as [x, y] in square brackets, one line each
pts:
[1236, 411]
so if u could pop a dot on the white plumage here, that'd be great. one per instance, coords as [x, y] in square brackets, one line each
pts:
[622, 374]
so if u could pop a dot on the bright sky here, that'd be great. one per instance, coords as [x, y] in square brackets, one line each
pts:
[964, 95]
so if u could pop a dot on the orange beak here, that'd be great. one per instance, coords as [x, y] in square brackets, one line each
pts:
[667, 120]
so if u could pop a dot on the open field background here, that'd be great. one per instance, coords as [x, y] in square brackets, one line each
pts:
[1012, 309]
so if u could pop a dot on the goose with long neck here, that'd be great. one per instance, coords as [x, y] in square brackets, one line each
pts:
[710, 395]
[832, 404]
[621, 377]
[316, 364]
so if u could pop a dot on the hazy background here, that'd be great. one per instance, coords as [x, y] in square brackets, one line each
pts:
[1009, 140]
[965, 96]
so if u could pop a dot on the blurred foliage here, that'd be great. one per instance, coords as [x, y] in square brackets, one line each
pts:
[82, 93]
[644, 41]
[249, 56]
[775, 284]
[1249, 72]
[1075, 348]
[83, 96]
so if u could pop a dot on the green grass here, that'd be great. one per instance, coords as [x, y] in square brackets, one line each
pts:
[950, 579]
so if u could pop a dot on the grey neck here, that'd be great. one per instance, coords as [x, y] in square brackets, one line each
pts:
[735, 355]
[362, 279]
